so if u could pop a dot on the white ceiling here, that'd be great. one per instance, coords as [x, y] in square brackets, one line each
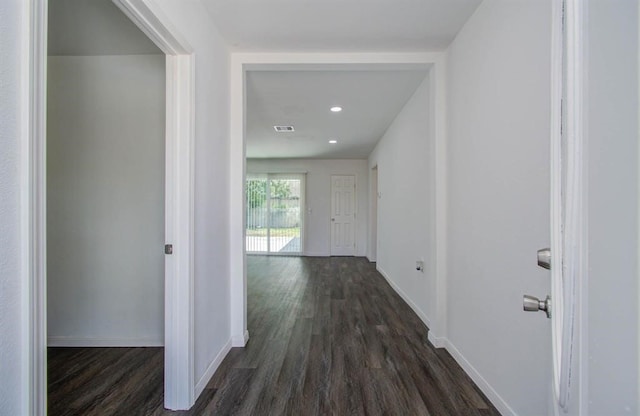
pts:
[94, 27]
[370, 100]
[340, 25]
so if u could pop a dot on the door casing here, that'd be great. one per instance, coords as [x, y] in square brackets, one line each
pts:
[373, 214]
[179, 178]
[241, 62]
[569, 241]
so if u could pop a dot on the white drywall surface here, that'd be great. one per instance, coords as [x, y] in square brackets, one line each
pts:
[405, 206]
[498, 178]
[212, 311]
[105, 200]
[612, 162]
[13, 352]
[317, 234]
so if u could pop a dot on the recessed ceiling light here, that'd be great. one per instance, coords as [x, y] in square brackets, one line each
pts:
[333, 141]
[336, 109]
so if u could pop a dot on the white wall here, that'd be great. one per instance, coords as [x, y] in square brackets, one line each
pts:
[318, 197]
[612, 162]
[498, 186]
[212, 280]
[404, 157]
[105, 200]
[13, 352]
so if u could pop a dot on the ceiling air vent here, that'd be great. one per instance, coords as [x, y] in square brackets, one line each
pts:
[283, 129]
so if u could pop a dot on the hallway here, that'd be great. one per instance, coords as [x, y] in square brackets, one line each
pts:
[328, 336]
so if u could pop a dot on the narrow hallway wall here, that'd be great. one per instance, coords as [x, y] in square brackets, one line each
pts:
[613, 208]
[212, 306]
[405, 207]
[498, 176]
[14, 350]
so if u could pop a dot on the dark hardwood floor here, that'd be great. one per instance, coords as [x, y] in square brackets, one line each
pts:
[328, 337]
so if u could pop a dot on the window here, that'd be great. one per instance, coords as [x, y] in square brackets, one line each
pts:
[275, 207]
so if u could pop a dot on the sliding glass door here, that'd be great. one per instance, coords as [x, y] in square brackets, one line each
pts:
[275, 207]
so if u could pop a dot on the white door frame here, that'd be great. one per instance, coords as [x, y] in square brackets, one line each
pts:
[243, 62]
[569, 237]
[33, 205]
[373, 214]
[179, 315]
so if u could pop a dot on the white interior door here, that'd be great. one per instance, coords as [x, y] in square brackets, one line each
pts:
[343, 201]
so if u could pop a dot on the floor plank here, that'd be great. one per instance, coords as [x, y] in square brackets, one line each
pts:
[329, 336]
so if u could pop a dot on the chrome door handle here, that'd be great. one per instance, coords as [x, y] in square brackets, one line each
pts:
[533, 304]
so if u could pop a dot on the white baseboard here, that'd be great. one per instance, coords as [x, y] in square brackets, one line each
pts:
[442, 342]
[438, 342]
[240, 340]
[316, 254]
[62, 341]
[370, 261]
[404, 296]
[204, 380]
[486, 388]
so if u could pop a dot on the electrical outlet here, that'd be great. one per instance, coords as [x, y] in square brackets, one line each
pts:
[420, 265]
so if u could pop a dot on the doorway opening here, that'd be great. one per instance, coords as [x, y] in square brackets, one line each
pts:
[105, 184]
[243, 85]
[179, 389]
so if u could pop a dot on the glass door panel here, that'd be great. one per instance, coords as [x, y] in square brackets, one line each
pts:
[275, 206]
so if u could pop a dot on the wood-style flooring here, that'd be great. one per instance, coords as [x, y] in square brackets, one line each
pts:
[329, 336]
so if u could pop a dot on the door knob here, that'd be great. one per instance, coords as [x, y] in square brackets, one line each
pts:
[533, 304]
